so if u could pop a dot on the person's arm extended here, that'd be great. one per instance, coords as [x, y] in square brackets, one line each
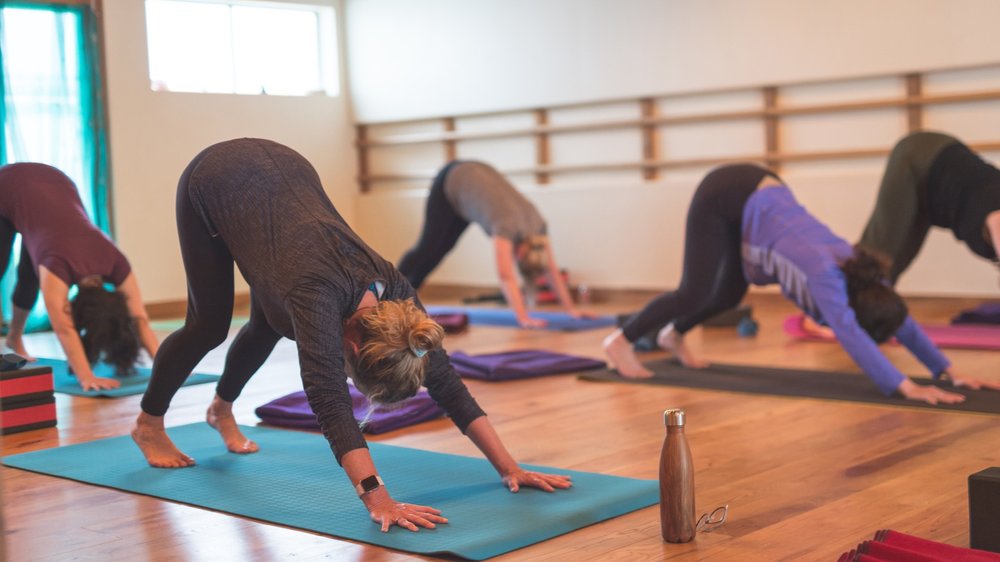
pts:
[831, 298]
[136, 309]
[319, 337]
[481, 432]
[993, 230]
[557, 282]
[915, 339]
[55, 293]
[503, 249]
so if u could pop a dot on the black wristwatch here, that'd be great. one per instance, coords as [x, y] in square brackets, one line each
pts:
[369, 484]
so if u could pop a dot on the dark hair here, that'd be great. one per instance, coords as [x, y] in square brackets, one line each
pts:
[880, 311]
[106, 328]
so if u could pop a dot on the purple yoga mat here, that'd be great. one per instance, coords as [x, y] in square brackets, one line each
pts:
[453, 323]
[520, 364]
[988, 313]
[293, 411]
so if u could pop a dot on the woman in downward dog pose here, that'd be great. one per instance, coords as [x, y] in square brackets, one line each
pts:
[60, 248]
[933, 179]
[312, 279]
[744, 226]
[465, 192]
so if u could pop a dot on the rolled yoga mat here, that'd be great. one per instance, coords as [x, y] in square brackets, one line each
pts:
[854, 387]
[506, 317]
[960, 336]
[520, 364]
[986, 313]
[293, 410]
[294, 481]
[66, 383]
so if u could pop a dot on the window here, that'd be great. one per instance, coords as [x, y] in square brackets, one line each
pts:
[50, 106]
[241, 47]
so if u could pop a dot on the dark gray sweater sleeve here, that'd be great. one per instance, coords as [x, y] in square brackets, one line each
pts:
[319, 335]
[447, 389]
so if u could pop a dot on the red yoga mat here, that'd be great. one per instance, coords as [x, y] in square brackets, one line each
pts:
[893, 546]
[962, 336]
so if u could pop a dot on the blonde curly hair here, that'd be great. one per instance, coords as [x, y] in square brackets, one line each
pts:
[391, 363]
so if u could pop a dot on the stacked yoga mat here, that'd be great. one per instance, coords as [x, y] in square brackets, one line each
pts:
[893, 546]
[293, 410]
[520, 364]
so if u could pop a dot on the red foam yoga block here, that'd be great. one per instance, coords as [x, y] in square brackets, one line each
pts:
[28, 415]
[25, 384]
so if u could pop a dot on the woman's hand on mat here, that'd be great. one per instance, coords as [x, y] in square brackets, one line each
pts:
[387, 512]
[531, 323]
[547, 482]
[960, 380]
[99, 383]
[929, 394]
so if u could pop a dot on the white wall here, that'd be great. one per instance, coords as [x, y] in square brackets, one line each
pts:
[443, 57]
[153, 135]
[412, 60]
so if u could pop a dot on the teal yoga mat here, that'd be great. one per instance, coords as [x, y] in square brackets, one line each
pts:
[506, 317]
[133, 384]
[295, 481]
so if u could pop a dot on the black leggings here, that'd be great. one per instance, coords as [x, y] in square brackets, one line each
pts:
[713, 279]
[26, 288]
[208, 265]
[442, 229]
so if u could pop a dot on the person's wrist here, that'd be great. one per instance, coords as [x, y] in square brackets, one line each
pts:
[375, 498]
[906, 387]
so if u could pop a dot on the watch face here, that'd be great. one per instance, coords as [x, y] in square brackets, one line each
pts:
[370, 483]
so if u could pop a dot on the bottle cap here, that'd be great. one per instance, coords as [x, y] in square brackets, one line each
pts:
[673, 417]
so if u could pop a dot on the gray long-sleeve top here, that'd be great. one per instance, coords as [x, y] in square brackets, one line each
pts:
[307, 270]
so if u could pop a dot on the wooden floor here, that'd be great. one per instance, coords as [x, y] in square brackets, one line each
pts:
[804, 479]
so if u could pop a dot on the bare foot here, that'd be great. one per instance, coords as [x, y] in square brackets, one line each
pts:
[673, 341]
[151, 437]
[16, 344]
[816, 329]
[619, 351]
[220, 416]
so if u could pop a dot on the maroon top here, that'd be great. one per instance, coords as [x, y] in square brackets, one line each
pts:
[43, 205]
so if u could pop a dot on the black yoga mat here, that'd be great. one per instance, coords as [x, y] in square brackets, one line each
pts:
[792, 382]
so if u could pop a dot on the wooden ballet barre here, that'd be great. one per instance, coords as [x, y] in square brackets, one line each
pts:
[901, 102]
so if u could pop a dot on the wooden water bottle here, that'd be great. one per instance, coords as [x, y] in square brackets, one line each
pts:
[676, 481]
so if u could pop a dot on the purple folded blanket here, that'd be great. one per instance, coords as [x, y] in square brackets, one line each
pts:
[294, 411]
[520, 364]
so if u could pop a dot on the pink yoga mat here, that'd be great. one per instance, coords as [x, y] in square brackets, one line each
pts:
[961, 336]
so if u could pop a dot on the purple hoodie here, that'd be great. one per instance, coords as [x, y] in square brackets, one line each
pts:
[784, 244]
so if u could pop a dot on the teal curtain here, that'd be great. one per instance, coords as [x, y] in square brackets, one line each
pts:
[51, 107]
